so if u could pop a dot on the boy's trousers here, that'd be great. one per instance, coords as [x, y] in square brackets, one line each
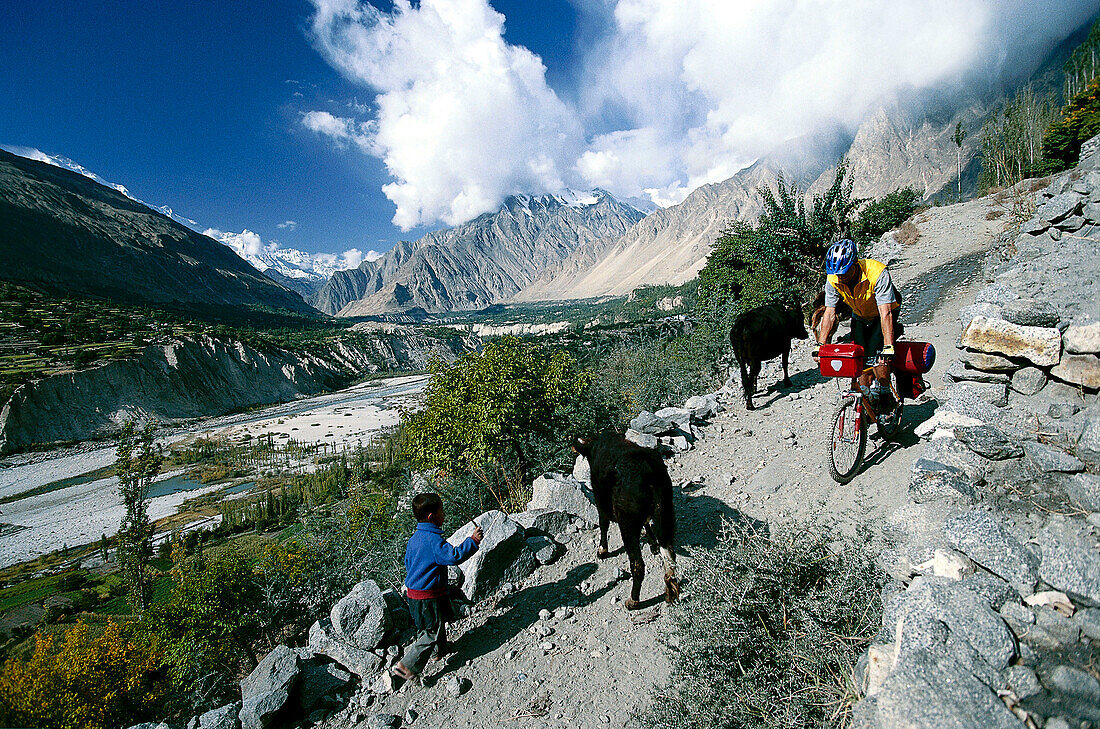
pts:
[430, 617]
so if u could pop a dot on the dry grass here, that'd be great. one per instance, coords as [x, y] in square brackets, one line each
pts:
[908, 233]
[994, 214]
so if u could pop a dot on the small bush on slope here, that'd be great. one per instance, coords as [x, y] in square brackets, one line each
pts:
[771, 632]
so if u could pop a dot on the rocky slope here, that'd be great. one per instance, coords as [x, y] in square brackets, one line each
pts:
[65, 234]
[480, 262]
[198, 377]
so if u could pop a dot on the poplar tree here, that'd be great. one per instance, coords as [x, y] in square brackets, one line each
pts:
[138, 461]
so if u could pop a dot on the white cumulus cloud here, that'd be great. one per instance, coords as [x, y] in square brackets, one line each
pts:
[286, 225]
[463, 117]
[716, 83]
[246, 243]
[669, 96]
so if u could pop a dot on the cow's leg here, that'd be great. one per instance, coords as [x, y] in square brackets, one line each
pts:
[746, 384]
[602, 552]
[664, 523]
[632, 533]
[754, 374]
[653, 546]
[786, 356]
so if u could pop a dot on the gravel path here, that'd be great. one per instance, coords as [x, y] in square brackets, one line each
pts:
[603, 662]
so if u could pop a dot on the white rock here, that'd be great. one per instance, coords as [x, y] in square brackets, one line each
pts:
[1083, 338]
[1040, 345]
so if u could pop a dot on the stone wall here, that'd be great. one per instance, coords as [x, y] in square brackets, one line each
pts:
[993, 615]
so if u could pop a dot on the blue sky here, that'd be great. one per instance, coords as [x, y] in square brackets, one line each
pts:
[197, 105]
[349, 118]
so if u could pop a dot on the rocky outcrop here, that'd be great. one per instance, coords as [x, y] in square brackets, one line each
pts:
[1001, 571]
[199, 377]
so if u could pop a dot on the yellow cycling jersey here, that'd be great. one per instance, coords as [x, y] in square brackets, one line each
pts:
[861, 297]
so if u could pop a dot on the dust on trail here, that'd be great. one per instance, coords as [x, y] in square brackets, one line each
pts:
[764, 465]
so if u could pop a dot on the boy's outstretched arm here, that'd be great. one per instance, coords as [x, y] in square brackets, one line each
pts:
[449, 555]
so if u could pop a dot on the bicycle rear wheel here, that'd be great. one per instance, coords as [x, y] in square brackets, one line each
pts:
[847, 441]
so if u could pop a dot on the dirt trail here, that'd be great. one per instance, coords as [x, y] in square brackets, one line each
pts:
[766, 465]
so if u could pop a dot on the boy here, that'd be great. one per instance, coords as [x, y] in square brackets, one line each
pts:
[426, 560]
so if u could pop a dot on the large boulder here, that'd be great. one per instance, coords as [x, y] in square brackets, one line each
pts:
[680, 417]
[265, 691]
[931, 480]
[1082, 338]
[645, 440]
[1088, 443]
[320, 686]
[1079, 369]
[582, 470]
[543, 521]
[503, 555]
[984, 539]
[361, 618]
[558, 492]
[1041, 346]
[1059, 207]
[1083, 489]
[702, 407]
[988, 362]
[224, 717]
[989, 442]
[651, 424]
[324, 642]
[1071, 560]
[1030, 313]
[1029, 380]
[1051, 460]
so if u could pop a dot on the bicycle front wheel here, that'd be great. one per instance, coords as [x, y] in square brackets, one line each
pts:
[847, 441]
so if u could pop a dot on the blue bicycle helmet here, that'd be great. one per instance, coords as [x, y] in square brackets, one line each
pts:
[840, 257]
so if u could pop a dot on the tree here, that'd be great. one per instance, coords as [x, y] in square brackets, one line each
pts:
[138, 461]
[960, 135]
[885, 213]
[1012, 138]
[1079, 122]
[83, 679]
[209, 626]
[501, 405]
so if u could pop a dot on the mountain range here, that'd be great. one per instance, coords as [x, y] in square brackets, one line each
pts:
[489, 259]
[63, 233]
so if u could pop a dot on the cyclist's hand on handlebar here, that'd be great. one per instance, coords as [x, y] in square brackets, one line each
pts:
[816, 352]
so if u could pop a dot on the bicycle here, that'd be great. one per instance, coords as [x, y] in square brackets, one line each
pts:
[847, 442]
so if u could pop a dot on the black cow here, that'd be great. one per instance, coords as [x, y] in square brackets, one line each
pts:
[632, 488]
[761, 334]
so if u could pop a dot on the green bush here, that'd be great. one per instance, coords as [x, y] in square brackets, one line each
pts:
[1080, 121]
[500, 405]
[771, 632]
[883, 214]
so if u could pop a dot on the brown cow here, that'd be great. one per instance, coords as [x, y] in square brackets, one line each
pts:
[761, 334]
[633, 489]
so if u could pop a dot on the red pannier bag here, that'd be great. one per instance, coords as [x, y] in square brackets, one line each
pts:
[841, 360]
[909, 386]
[913, 358]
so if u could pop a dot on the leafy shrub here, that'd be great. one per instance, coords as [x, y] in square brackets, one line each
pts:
[885, 213]
[83, 679]
[209, 626]
[1079, 122]
[499, 405]
[771, 633]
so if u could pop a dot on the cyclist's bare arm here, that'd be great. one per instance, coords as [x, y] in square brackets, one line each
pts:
[828, 323]
[885, 315]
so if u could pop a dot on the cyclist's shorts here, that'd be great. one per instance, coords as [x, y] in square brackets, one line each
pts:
[868, 334]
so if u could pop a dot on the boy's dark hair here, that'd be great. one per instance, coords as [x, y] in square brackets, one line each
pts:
[424, 505]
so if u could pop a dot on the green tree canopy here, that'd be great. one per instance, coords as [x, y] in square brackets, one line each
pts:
[494, 406]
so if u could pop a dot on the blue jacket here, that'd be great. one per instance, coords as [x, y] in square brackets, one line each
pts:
[427, 558]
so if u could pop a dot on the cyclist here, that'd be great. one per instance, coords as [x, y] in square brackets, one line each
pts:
[863, 284]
